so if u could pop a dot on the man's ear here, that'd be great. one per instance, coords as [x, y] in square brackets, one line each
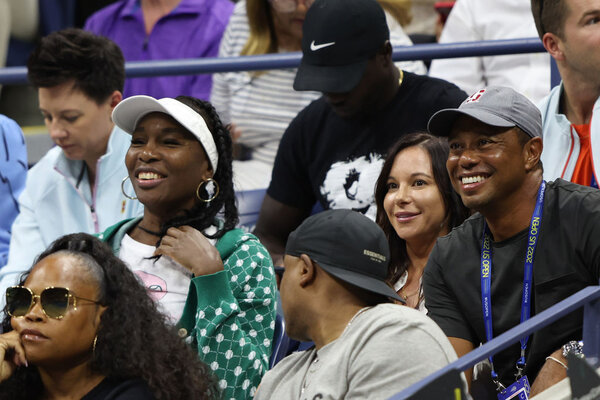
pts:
[386, 54]
[115, 98]
[532, 152]
[554, 46]
[308, 271]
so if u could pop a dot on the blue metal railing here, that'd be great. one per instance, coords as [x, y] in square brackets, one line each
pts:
[587, 297]
[18, 75]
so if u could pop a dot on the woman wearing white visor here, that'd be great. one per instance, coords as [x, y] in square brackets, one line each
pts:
[216, 280]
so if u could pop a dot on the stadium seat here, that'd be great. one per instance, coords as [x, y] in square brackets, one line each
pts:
[249, 202]
[283, 345]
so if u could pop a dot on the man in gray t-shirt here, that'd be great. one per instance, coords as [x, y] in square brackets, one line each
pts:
[334, 293]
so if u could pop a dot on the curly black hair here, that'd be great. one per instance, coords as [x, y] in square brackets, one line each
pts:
[202, 215]
[134, 340]
[93, 63]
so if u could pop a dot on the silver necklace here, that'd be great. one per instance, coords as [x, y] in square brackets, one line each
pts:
[311, 370]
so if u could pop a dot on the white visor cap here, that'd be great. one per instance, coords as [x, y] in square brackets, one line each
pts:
[130, 111]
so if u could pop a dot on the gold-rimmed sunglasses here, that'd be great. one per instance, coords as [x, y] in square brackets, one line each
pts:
[54, 301]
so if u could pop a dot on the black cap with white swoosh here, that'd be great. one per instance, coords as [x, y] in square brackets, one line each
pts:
[338, 38]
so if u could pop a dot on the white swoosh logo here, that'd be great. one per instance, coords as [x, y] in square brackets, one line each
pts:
[315, 47]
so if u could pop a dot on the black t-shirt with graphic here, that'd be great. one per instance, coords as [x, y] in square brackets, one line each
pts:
[336, 162]
[567, 259]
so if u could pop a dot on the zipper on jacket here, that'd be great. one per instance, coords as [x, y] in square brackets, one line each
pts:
[94, 218]
[94, 193]
[75, 187]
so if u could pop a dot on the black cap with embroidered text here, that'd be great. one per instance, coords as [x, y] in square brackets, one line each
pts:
[338, 38]
[347, 245]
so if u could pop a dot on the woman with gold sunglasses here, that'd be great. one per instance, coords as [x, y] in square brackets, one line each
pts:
[79, 325]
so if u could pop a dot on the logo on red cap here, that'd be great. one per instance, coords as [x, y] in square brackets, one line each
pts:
[475, 97]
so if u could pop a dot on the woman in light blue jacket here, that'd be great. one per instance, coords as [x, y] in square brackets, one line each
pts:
[76, 186]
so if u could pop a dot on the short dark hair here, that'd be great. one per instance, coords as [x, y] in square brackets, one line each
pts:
[94, 63]
[550, 16]
[456, 212]
[522, 136]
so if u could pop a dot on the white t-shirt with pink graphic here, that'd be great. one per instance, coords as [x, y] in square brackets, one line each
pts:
[166, 281]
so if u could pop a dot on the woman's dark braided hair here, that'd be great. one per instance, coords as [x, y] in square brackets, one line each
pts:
[202, 215]
[134, 340]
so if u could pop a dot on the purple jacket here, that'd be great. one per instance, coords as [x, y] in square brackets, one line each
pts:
[192, 30]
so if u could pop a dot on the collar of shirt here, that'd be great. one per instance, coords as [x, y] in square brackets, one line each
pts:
[132, 8]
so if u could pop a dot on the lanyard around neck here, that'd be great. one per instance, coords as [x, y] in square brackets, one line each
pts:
[486, 281]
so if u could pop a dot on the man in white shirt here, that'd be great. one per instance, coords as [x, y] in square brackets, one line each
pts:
[570, 31]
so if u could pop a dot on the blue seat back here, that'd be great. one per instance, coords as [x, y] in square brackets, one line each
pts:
[283, 345]
[249, 203]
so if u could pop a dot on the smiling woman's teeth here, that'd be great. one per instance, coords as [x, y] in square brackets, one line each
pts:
[472, 179]
[148, 175]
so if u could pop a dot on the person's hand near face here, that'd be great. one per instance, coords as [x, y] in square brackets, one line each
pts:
[12, 354]
[190, 248]
[50, 340]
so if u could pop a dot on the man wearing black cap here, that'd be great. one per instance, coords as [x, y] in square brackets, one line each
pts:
[333, 151]
[334, 293]
[531, 245]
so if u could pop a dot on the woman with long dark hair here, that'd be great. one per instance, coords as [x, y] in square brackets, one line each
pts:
[216, 280]
[415, 205]
[80, 325]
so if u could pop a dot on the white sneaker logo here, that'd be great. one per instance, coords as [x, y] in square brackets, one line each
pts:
[315, 47]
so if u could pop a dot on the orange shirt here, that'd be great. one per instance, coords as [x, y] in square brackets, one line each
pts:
[584, 171]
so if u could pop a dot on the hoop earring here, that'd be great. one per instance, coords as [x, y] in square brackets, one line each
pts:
[94, 346]
[123, 189]
[202, 184]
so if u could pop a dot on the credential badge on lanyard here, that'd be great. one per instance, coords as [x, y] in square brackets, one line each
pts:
[519, 389]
